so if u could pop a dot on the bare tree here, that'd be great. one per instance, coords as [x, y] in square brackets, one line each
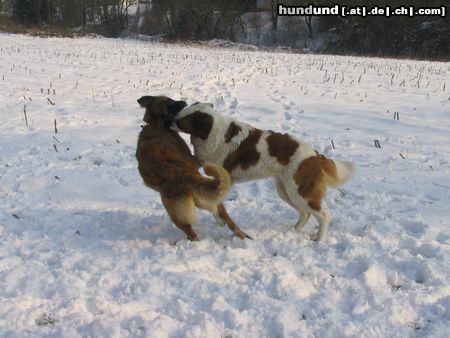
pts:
[228, 14]
[309, 27]
[274, 13]
[256, 24]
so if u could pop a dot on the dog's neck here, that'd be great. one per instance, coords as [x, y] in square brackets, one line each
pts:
[150, 130]
[154, 125]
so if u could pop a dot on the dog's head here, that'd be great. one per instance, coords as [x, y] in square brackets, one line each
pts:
[196, 120]
[160, 110]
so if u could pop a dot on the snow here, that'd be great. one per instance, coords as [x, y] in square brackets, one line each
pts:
[87, 250]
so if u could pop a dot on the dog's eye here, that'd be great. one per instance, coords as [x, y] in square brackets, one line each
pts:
[196, 103]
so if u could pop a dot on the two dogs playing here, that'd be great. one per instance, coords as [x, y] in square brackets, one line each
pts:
[231, 152]
[167, 166]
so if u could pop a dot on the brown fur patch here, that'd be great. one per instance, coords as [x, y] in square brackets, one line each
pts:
[328, 166]
[311, 178]
[163, 168]
[232, 131]
[246, 154]
[197, 124]
[282, 147]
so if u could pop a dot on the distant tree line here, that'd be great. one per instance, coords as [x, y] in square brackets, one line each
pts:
[110, 16]
[252, 21]
[195, 19]
[418, 37]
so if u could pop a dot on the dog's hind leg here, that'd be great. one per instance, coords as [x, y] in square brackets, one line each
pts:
[321, 217]
[282, 193]
[182, 213]
[223, 215]
[304, 217]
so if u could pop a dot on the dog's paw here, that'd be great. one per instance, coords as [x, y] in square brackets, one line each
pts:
[314, 237]
[298, 229]
[242, 235]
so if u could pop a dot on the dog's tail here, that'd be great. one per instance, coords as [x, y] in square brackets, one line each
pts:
[212, 189]
[337, 172]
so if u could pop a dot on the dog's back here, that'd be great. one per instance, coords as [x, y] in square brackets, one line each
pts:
[164, 161]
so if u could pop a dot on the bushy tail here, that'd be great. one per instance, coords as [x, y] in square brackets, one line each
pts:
[215, 188]
[338, 173]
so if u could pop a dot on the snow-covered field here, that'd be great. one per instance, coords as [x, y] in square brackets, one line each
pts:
[87, 250]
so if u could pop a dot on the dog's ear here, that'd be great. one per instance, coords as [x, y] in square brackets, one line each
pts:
[144, 101]
[197, 124]
[175, 107]
[202, 125]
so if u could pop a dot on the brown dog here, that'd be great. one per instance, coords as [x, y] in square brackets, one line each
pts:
[167, 166]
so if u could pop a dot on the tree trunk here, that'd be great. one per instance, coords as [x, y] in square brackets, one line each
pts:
[83, 14]
[49, 11]
[274, 14]
[105, 11]
[38, 13]
[308, 22]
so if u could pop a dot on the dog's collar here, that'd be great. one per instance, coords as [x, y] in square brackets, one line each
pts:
[153, 126]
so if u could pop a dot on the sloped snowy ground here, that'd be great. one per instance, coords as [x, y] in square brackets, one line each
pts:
[87, 250]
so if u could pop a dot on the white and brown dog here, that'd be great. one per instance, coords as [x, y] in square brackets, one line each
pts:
[301, 174]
